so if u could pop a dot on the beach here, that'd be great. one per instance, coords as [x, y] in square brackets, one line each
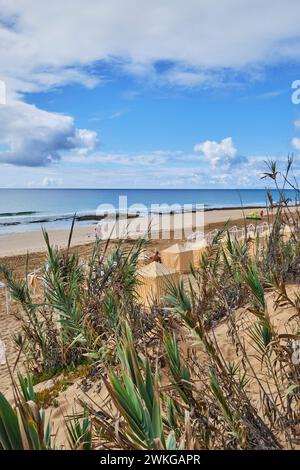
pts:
[32, 242]
[15, 247]
[29, 247]
[19, 249]
[149, 229]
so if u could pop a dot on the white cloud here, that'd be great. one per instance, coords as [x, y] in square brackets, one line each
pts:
[32, 137]
[154, 157]
[43, 44]
[49, 182]
[220, 154]
[185, 172]
[271, 94]
[296, 143]
[84, 141]
[46, 182]
[297, 123]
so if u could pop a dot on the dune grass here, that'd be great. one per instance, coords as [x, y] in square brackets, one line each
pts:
[169, 384]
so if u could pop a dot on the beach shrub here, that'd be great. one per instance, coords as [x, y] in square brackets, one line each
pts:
[169, 383]
[23, 426]
[75, 316]
[192, 378]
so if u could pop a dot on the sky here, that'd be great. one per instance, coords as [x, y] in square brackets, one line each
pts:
[160, 94]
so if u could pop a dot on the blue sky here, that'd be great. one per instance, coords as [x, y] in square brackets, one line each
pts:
[120, 94]
[173, 118]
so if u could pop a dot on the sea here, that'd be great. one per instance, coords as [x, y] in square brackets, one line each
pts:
[30, 209]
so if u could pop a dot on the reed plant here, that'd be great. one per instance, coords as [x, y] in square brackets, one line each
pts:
[168, 380]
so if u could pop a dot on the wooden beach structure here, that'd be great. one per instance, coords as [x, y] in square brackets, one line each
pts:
[153, 282]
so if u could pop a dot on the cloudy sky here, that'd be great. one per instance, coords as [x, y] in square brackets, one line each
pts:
[133, 93]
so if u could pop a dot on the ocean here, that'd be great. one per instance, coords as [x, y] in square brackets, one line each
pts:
[30, 209]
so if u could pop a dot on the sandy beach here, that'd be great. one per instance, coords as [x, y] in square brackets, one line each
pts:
[13, 252]
[150, 230]
[32, 242]
[14, 248]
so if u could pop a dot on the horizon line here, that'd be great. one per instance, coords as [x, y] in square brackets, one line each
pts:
[141, 189]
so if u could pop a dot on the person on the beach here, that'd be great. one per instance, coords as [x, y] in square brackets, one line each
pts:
[155, 257]
[261, 213]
